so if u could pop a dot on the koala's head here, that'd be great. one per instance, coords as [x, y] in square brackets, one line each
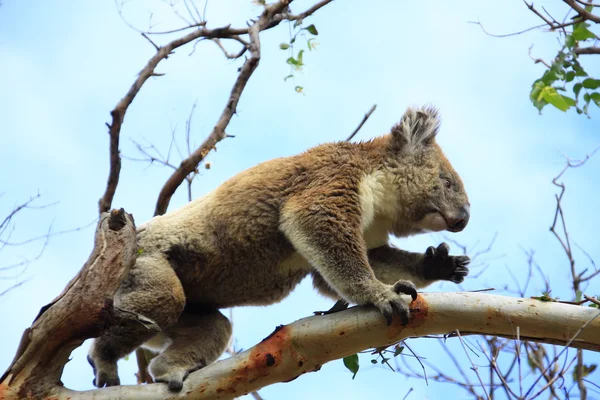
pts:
[432, 196]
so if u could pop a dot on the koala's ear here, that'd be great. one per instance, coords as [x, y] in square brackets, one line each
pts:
[416, 129]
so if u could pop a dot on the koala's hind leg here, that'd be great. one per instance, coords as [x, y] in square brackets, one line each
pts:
[150, 290]
[196, 340]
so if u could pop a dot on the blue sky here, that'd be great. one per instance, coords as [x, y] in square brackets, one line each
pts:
[64, 65]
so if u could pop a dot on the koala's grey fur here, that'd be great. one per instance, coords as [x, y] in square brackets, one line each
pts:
[327, 212]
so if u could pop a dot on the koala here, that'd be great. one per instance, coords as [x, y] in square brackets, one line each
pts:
[327, 212]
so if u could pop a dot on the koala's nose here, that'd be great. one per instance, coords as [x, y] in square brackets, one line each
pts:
[462, 219]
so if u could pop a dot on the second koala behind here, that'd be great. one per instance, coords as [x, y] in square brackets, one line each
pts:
[327, 212]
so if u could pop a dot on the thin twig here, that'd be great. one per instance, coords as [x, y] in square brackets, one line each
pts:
[474, 367]
[271, 16]
[365, 118]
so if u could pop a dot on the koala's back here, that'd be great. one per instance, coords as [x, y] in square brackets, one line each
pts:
[226, 247]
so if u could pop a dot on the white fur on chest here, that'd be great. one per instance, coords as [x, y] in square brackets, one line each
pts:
[379, 203]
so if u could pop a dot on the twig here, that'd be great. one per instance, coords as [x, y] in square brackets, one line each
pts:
[587, 50]
[502, 35]
[593, 300]
[562, 351]
[365, 118]
[473, 366]
[271, 16]
[582, 11]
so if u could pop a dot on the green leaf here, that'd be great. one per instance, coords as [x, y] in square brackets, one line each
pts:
[549, 77]
[581, 32]
[312, 29]
[596, 98]
[545, 297]
[570, 101]
[577, 88]
[373, 361]
[140, 251]
[535, 97]
[299, 89]
[591, 83]
[398, 350]
[586, 370]
[284, 46]
[551, 96]
[579, 71]
[292, 61]
[300, 53]
[570, 76]
[351, 362]
[288, 77]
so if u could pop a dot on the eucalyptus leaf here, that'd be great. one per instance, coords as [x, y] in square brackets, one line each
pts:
[351, 362]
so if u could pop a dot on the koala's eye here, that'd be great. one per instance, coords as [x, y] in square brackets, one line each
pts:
[447, 183]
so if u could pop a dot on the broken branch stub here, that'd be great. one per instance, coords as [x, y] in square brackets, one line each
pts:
[83, 310]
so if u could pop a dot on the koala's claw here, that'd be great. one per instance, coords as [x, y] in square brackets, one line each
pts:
[394, 306]
[165, 369]
[174, 384]
[438, 264]
[406, 287]
[390, 303]
[103, 378]
[339, 305]
[174, 381]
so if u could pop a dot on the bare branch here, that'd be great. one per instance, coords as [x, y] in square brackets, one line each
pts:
[582, 11]
[365, 118]
[229, 55]
[587, 50]
[502, 35]
[473, 366]
[593, 300]
[271, 16]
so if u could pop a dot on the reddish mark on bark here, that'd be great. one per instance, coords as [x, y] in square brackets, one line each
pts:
[262, 359]
[419, 310]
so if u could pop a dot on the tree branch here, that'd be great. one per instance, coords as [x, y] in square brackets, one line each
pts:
[587, 50]
[81, 311]
[305, 345]
[365, 118]
[271, 16]
[582, 11]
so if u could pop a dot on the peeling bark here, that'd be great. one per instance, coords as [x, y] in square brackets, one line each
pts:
[83, 310]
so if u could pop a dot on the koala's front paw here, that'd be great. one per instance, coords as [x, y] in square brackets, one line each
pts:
[168, 371]
[390, 302]
[439, 265]
[105, 373]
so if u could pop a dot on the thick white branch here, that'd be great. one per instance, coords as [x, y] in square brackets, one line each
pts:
[305, 345]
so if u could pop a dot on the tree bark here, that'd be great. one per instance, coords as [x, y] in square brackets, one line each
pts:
[305, 345]
[83, 310]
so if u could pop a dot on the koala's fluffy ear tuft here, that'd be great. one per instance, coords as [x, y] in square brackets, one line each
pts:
[416, 129]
